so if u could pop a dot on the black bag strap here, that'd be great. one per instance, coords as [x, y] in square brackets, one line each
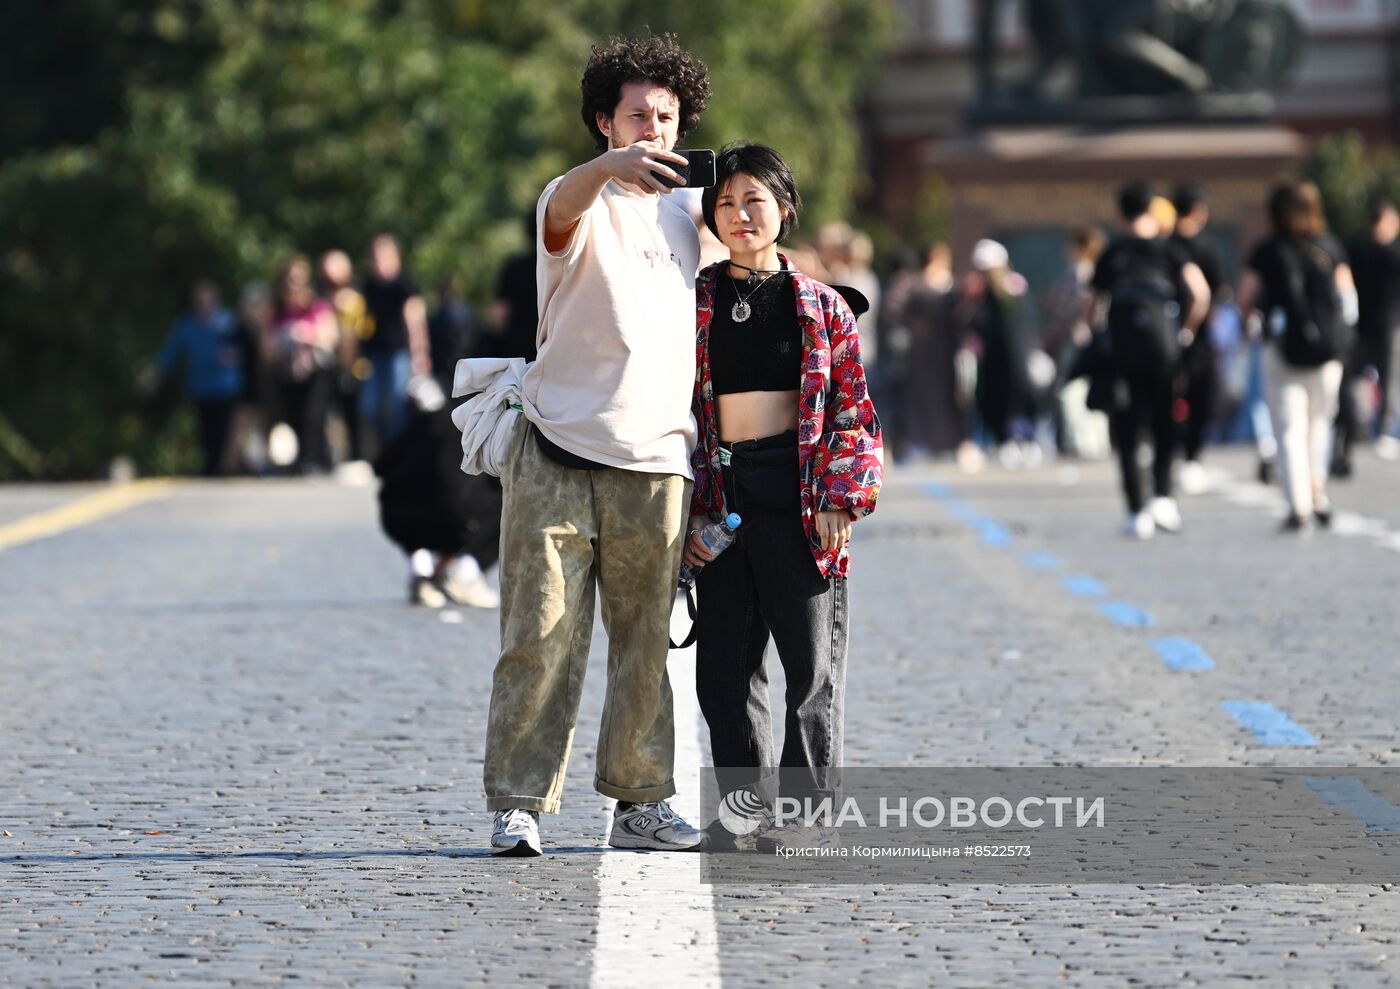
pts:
[694, 628]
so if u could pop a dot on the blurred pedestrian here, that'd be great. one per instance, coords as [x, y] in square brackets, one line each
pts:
[797, 455]
[937, 398]
[858, 273]
[1294, 291]
[301, 353]
[1198, 360]
[396, 345]
[1155, 298]
[206, 343]
[253, 415]
[351, 369]
[453, 331]
[447, 523]
[1375, 264]
[996, 317]
[1065, 335]
[510, 332]
[890, 384]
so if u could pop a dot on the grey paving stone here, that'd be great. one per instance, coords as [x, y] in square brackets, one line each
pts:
[233, 756]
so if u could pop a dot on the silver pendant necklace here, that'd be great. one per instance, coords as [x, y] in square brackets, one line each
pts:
[742, 310]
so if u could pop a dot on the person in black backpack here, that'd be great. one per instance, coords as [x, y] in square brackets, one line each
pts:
[1198, 362]
[1299, 293]
[1154, 298]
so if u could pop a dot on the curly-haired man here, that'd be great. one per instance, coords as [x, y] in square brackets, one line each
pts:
[598, 480]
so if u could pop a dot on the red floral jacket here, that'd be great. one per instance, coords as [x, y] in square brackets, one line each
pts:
[838, 432]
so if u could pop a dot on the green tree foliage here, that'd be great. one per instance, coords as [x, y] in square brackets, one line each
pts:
[161, 140]
[1350, 177]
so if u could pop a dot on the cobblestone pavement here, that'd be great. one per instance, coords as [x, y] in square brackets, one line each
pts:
[232, 755]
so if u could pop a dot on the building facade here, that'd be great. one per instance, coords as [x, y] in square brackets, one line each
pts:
[1027, 185]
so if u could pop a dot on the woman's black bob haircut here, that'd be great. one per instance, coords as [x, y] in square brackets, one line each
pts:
[768, 168]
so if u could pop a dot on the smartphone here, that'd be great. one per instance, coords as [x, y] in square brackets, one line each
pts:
[698, 172]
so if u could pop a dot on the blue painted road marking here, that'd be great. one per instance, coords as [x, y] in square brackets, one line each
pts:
[1084, 586]
[1347, 793]
[1182, 654]
[1127, 614]
[966, 512]
[1270, 725]
[1041, 561]
[989, 530]
[993, 533]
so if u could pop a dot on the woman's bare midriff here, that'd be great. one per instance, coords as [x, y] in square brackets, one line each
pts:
[752, 415]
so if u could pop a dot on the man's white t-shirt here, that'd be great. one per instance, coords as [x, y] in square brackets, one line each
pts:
[616, 334]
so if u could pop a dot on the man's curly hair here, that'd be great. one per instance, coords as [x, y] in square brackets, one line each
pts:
[657, 59]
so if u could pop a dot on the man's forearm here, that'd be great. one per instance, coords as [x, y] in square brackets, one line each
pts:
[577, 191]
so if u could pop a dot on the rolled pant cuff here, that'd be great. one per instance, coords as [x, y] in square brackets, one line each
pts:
[635, 795]
[539, 804]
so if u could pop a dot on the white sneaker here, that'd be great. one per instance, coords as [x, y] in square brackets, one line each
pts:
[1388, 448]
[1140, 526]
[1193, 478]
[421, 591]
[515, 833]
[655, 826]
[1165, 515]
[472, 593]
[970, 459]
[795, 836]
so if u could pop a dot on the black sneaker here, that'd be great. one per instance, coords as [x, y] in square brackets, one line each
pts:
[1297, 524]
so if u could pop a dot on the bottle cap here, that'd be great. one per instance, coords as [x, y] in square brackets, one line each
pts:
[733, 520]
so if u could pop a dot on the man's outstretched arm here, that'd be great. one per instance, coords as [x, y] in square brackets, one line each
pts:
[632, 165]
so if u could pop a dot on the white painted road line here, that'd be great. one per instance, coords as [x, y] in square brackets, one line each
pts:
[656, 920]
[1252, 494]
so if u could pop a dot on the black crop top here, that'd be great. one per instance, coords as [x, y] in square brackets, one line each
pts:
[763, 353]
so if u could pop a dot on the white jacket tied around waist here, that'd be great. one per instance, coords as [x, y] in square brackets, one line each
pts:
[487, 420]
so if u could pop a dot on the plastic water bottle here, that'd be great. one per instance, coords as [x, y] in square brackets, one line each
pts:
[718, 536]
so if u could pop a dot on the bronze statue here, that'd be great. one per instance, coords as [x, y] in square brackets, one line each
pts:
[1174, 49]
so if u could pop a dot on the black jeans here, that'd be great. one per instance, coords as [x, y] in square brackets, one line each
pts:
[767, 584]
[306, 404]
[215, 419]
[1144, 399]
[1201, 386]
[1347, 428]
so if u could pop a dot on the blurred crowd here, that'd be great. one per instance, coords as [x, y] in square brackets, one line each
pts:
[966, 361]
[320, 368]
[970, 363]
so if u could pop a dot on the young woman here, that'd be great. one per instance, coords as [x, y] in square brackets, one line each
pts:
[1301, 383]
[788, 439]
[300, 351]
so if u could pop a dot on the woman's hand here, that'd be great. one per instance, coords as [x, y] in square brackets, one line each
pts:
[696, 554]
[834, 528]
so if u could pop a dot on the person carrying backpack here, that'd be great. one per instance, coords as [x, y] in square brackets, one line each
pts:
[1299, 294]
[1153, 297]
